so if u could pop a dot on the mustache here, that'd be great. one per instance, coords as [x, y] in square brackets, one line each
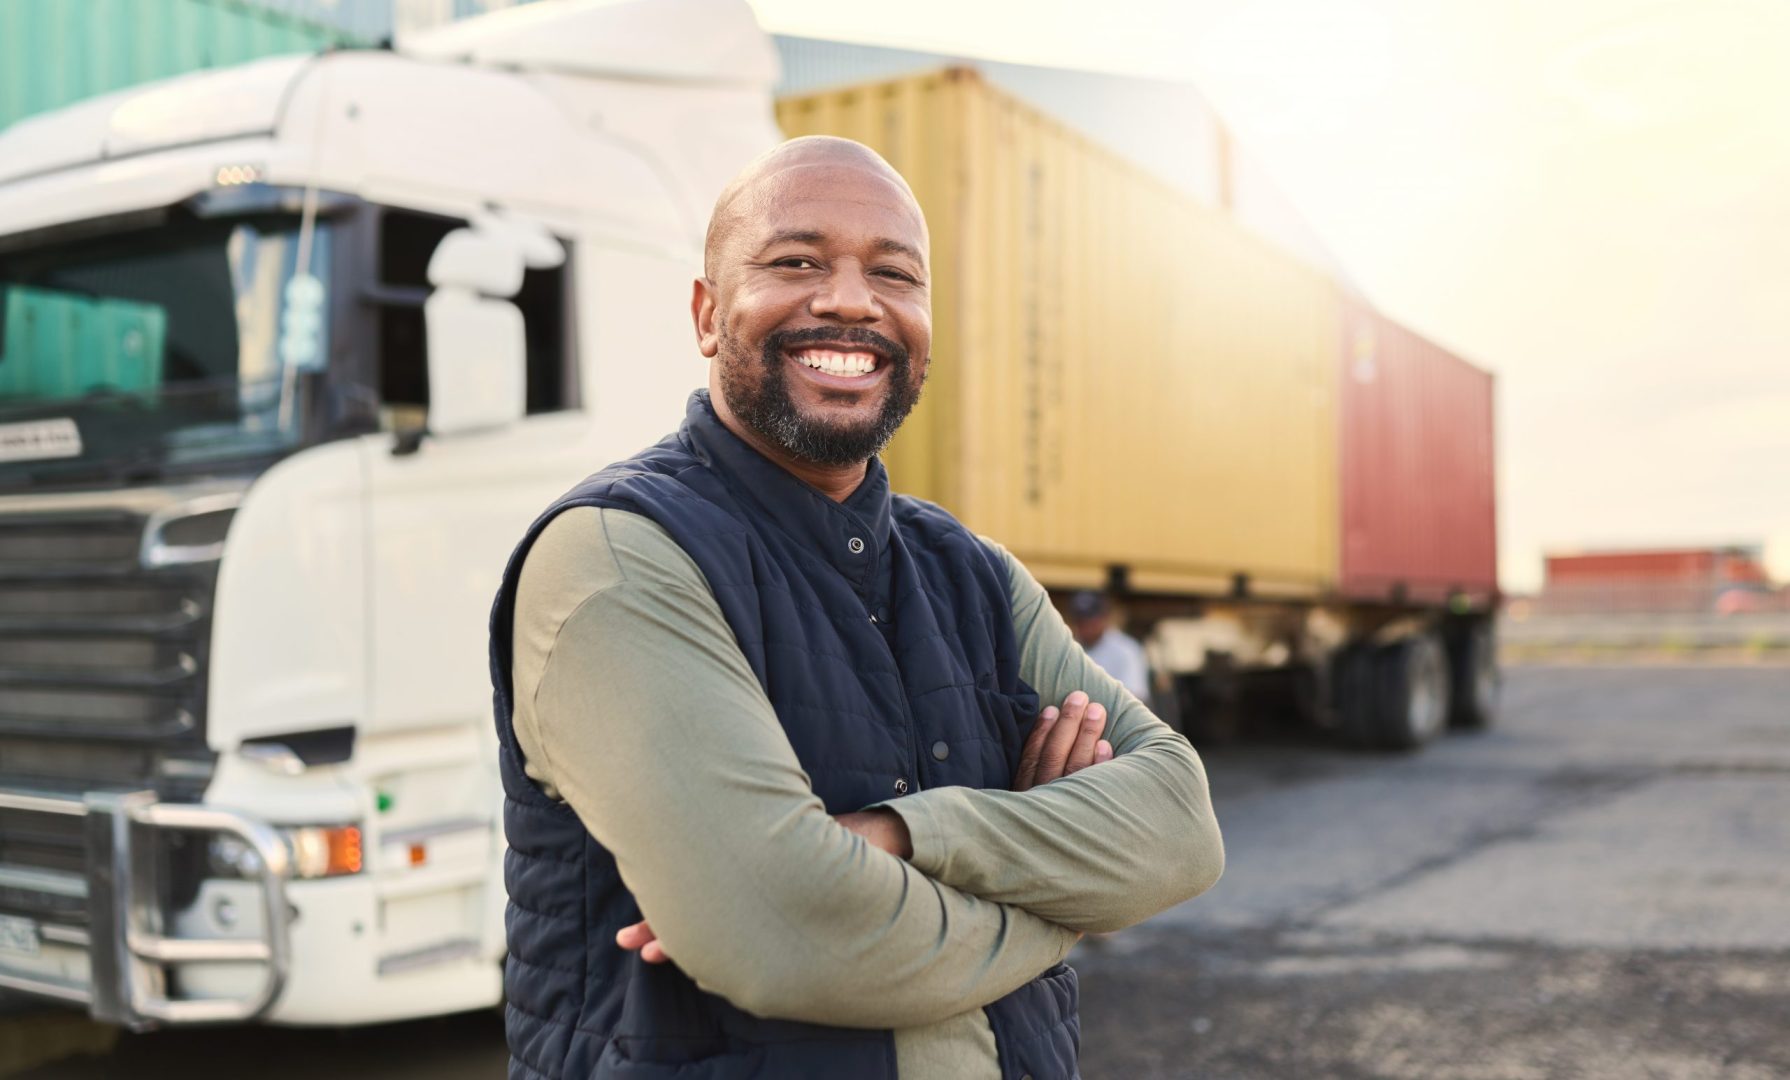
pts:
[826, 335]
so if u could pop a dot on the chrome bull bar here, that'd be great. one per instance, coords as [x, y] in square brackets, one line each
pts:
[128, 955]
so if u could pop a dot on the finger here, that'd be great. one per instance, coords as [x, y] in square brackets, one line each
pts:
[636, 936]
[1025, 775]
[1081, 755]
[1062, 738]
[653, 952]
[1103, 752]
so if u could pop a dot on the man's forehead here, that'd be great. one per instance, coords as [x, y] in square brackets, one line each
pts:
[814, 184]
[835, 198]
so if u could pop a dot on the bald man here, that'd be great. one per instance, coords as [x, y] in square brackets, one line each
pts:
[780, 797]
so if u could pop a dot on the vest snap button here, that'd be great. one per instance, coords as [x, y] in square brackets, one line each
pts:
[940, 750]
[855, 545]
[900, 785]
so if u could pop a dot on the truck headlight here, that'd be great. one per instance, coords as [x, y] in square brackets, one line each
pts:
[317, 851]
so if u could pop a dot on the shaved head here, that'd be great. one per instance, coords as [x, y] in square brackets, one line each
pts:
[751, 195]
[815, 307]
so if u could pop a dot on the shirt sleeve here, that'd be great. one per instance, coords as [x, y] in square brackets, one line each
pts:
[648, 721]
[1100, 850]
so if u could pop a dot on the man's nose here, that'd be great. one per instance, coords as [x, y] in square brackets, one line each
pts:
[846, 296]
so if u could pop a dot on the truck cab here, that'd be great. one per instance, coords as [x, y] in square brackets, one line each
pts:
[290, 354]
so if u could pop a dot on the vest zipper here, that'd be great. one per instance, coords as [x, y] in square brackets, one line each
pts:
[917, 783]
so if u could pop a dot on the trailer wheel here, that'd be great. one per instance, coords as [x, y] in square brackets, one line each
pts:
[1209, 706]
[1413, 695]
[1353, 695]
[1473, 663]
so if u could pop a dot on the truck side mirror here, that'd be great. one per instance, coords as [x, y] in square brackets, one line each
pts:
[478, 376]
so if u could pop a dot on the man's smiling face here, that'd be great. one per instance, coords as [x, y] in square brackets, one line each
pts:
[816, 306]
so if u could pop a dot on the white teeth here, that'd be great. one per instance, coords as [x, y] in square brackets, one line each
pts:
[837, 363]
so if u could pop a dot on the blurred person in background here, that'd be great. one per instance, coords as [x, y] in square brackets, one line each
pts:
[1117, 653]
[780, 797]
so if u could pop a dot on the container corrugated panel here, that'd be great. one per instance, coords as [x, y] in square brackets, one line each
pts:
[1681, 564]
[1419, 517]
[369, 21]
[58, 52]
[1695, 564]
[1121, 375]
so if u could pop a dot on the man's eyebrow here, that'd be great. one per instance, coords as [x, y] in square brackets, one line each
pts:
[884, 246]
[888, 246]
[794, 236]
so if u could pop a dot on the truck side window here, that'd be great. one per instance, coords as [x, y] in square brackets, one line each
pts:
[406, 241]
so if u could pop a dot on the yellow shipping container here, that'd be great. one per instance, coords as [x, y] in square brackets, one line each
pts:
[1121, 376]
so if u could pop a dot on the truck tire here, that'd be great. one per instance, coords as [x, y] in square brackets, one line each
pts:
[1473, 665]
[1210, 713]
[1413, 684]
[1353, 695]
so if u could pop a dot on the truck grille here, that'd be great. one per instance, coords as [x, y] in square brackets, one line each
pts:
[93, 646]
[102, 690]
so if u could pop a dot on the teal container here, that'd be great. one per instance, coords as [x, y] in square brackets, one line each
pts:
[58, 345]
[57, 52]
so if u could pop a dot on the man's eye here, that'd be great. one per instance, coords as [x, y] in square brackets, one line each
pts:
[796, 262]
[898, 275]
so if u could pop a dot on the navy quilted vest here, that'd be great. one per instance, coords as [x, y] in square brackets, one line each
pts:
[872, 712]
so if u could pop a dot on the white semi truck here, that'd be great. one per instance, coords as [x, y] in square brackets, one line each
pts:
[290, 354]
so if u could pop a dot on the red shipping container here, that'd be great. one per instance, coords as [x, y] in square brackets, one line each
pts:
[1418, 504]
[1697, 565]
[1674, 564]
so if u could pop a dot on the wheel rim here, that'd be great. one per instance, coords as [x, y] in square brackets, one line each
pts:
[1426, 707]
[1485, 675]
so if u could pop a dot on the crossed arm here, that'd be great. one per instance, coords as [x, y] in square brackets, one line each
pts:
[1100, 850]
[647, 720]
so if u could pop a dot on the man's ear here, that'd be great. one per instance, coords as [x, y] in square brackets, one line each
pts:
[702, 313]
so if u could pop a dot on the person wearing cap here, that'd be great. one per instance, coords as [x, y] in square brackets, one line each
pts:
[1117, 653]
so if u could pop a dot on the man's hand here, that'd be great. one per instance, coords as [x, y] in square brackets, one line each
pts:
[881, 828]
[1064, 741]
[640, 936]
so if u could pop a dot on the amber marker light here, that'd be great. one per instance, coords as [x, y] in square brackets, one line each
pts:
[326, 851]
[237, 175]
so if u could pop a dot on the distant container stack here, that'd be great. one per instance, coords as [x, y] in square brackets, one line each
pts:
[1719, 580]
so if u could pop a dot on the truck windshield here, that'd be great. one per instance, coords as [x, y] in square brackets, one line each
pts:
[186, 343]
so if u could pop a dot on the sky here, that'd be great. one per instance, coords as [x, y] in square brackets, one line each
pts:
[1591, 198]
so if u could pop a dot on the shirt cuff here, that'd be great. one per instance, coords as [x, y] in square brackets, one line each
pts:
[925, 829]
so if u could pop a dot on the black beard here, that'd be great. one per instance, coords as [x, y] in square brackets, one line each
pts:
[769, 411]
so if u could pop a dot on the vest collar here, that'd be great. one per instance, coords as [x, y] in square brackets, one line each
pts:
[853, 535]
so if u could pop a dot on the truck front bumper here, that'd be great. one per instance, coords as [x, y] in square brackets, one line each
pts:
[108, 949]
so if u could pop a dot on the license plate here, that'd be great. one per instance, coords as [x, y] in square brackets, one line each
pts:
[38, 440]
[18, 935]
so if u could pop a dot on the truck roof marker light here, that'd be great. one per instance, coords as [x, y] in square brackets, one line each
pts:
[237, 175]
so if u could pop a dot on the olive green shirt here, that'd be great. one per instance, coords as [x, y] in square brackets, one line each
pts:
[635, 705]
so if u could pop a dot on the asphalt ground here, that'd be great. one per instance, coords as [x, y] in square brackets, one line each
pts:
[1598, 887]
